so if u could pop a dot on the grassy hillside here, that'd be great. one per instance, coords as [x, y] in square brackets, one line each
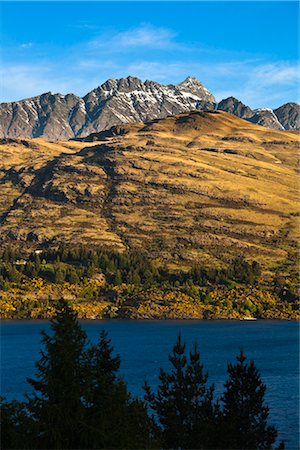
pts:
[192, 216]
[202, 186]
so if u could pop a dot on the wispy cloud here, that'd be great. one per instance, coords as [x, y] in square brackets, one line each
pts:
[278, 73]
[254, 79]
[27, 45]
[25, 80]
[143, 36]
[263, 84]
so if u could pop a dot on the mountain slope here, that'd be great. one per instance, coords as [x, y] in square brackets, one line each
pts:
[117, 101]
[289, 116]
[266, 118]
[198, 186]
[56, 117]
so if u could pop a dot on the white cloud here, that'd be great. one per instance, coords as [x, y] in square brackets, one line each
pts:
[263, 84]
[21, 81]
[255, 81]
[278, 73]
[26, 45]
[145, 35]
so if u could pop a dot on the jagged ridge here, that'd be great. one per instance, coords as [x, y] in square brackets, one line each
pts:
[117, 101]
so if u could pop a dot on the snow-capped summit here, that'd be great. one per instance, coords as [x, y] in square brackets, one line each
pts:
[194, 86]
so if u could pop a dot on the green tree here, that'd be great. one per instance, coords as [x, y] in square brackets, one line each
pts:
[118, 277]
[18, 430]
[72, 276]
[114, 419]
[183, 403]
[59, 275]
[244, 422]
[56, 404]
[37, 263]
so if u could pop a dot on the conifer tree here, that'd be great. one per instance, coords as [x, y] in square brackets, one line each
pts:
[114, 419]
[118, 277]
[18, 429]
[56, 403]
[73, 277]
[244, 423]
[183, 403]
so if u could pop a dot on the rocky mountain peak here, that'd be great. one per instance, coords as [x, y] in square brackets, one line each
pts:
[289, 115]
[194, 86]
[109, 85]
[236, 107]
[129, 84]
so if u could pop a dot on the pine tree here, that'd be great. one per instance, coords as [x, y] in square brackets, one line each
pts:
[59, 276]
[114, 419]
[183, 403]
[118, 277]
[73, 277]
[244, 424]
[18, 429]
[56, 403]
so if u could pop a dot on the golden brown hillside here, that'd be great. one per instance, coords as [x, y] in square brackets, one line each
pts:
[203, 185]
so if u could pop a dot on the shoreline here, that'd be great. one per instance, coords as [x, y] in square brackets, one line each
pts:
[134, 320]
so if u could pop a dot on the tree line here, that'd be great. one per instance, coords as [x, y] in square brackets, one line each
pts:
[79, 401]
[74, 264]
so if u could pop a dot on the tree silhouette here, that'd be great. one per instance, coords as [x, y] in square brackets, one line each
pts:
[18, 430]
[244, 423]
[113, 418]
[56, 403]
[183, 403]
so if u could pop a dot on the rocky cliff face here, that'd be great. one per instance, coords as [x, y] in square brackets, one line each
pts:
[117, 101]
[52, 116]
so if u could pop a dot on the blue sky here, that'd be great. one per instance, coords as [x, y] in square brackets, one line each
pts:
[246, 49]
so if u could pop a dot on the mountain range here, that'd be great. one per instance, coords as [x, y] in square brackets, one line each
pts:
[118, 101]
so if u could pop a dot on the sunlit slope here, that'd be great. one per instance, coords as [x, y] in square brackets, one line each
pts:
[203, 185]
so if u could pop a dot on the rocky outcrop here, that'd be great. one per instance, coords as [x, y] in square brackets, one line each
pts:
[51, 116]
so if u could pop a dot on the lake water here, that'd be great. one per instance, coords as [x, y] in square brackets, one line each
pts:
[144, 347]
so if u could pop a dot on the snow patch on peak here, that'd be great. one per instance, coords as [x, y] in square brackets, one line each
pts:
[258, 110]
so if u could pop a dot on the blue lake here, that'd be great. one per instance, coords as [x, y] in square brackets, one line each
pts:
[144, 347]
